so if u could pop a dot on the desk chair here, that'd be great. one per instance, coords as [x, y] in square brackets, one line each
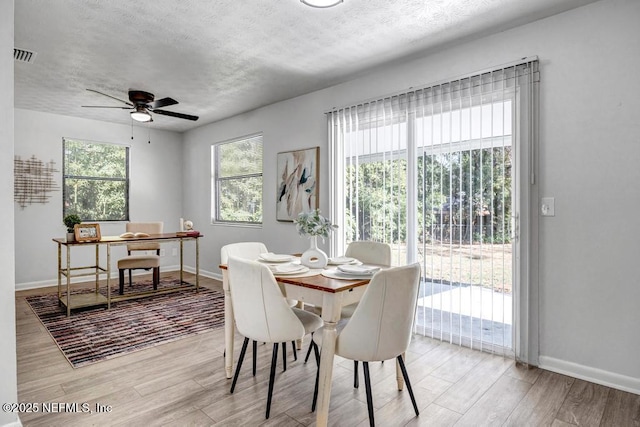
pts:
[144, 262]
[381, 325]
[261, 313]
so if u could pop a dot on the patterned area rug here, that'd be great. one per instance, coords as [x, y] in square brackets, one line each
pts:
[96, 334]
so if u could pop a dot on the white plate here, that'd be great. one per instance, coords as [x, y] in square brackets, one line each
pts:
[271, 257]
[358, 269]
[337, 274]
[342, 260]
[287, 269]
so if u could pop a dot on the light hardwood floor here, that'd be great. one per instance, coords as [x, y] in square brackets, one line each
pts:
[183, 384]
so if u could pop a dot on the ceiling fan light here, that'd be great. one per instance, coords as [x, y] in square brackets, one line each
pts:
[321, 3]
[141, 116]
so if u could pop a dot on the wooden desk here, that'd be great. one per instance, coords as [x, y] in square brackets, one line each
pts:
[331, 295]
[96, 298]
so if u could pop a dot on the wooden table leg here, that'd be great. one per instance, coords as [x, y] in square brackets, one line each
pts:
[331, 307]
[181, 261]
[109, 276]
[229, 331]
[197, 265]
[329, 335]
[68, 281]
[59, 272]
[97, 268]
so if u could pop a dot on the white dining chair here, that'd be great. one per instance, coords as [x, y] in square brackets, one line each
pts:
[245, 250]
[261, 313]
[252, 251]
[381, 326]
[367, 252]
[145, 261]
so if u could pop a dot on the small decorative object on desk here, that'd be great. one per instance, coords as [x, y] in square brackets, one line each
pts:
[312, 224]
[188, 229]
[87, 232]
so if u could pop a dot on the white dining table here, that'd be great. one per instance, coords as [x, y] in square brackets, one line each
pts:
[329, 293]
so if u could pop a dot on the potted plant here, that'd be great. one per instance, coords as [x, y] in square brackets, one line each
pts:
[70, 221]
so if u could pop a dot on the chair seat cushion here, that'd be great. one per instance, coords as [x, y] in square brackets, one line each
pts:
[139, 261]
[311, 322]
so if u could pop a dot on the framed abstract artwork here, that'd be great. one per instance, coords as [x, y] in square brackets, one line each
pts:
[297, 187]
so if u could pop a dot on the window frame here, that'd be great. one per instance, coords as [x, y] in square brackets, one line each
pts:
[216, 179]
[126, 179]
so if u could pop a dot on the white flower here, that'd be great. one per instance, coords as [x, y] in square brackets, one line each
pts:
[313, 224]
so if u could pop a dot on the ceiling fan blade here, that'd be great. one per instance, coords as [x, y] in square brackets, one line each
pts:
[164, 102]
[112, 97]
[178, 115]
[104, 106]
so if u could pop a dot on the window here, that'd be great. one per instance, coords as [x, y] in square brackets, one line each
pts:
[95, 180]
[237, 181]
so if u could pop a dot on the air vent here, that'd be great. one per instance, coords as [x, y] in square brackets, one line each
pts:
[23, 55]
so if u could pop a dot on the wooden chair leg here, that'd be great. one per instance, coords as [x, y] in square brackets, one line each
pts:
[295, 352]
[130, 281]
[356, 380]
[240, 359]
[156, 278]
[121, 281]
[408, 383]
[367, 386]
[272, 377]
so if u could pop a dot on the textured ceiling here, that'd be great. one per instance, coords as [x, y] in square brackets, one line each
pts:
[223, 57]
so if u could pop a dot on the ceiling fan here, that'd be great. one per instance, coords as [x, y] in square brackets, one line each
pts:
[143, 103]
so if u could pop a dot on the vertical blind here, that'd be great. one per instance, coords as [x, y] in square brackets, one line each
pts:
[433, 172]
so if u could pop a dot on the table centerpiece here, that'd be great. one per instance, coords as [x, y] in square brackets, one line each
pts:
[311, 225]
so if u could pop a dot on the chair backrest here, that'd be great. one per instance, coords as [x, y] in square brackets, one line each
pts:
[370, 252]
[154, 227]
[381, 325]
[260, 310]
[244, 250]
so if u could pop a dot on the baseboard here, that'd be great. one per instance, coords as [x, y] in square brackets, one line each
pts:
[54, 282]
[205, 273]
[594, 375]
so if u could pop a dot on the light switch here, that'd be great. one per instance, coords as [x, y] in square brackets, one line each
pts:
[547, 206]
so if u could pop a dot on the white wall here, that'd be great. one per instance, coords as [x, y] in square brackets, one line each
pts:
[588, 160]
[8, 369]
[155, 189]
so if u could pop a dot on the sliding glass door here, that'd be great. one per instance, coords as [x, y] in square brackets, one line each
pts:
[433, 172]
[464, 183]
